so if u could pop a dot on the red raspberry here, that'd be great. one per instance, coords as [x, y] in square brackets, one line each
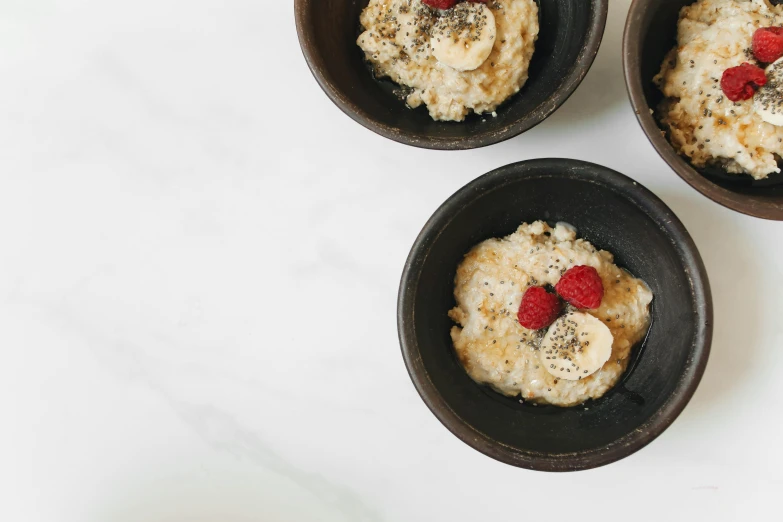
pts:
[440, 4]
[768, 44]
[582, 287]
[740, 83]
[538, 308]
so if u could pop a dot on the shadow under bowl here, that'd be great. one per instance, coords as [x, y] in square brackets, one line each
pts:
[569, 37]
[650, 33]
[614, 213]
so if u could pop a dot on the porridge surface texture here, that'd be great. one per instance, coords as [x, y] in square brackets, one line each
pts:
[397, 42]
[702, 124]
[496, 350]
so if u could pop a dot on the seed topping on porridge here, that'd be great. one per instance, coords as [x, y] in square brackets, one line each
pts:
[463, 37]
[543, 351]
[454, 57]
[768, 101]
[722, 86]
[577, 345]
[459, 19]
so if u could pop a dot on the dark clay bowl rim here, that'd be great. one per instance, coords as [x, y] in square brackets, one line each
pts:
[655, 210]
[631, 57]
[550, 105]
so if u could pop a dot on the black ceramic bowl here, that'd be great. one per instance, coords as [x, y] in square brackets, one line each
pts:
[614, 213]
[570, 33]
[650, 32]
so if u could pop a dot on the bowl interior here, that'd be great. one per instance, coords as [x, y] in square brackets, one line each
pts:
[621, 219]
[329, 29]
[653, 27]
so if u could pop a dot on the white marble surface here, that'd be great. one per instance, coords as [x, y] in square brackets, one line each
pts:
[198, 275]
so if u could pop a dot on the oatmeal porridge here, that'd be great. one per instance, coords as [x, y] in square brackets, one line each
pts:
[576, 345]
[723, 89]
[471, 56]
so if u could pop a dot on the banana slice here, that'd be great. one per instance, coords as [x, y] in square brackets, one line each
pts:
[576, 346]
[463, 37]
[768, 100]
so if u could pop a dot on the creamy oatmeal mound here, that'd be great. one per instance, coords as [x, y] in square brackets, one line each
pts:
[497, 350]
[471, 57]
[701, 123]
